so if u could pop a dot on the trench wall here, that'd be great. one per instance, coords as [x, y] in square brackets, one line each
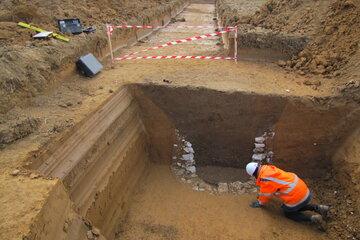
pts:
[57, 218]
[100, 162]
[222, 125]
[267, 45]
[347, 163]
[256, 43]
[264, 45]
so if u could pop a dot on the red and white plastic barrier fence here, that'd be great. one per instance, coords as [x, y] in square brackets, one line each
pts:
[176, 42]
[110, 29]
[159, 27]
[174, 57]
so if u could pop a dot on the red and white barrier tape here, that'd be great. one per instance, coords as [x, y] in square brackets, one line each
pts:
[109, 30]
[185, 26]
[189, 39]
[134, 26]
[159, 27]
[174, 57]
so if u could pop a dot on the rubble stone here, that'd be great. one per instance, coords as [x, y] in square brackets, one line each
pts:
[191, 169]
[236, 187]
[95, 231]
[34, 175]
[66, 227]
[260, 139]
[189, 150]
[259, 145]
[281, 63]
[90, 235]
[259, 150]
[223, 188]
[15, 172]
[258, 157]
[188, 157]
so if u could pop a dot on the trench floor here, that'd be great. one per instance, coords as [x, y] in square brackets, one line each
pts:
[164, 208]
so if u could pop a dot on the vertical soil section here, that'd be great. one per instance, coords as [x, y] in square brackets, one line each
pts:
[347, 161]
[101, 161]
[110, 205]
[159, 127]
[308, 135]
[222, 125]
[57, 218]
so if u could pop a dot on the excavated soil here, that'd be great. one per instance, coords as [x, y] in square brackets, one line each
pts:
[41, 65]
[129, 140]
[90, 158]
[331, 27]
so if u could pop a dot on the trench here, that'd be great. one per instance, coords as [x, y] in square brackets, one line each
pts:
[115, 166]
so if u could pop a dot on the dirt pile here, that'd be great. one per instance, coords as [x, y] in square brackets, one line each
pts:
[23, 128]
[333, 26]
[343, 216]
[295, 16]
[234, 12]
[29, 66]
[45, 14]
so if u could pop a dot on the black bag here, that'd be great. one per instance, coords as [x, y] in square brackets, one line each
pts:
[72, 25]
[89, 65]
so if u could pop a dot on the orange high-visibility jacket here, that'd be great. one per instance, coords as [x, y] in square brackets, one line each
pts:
[284, 185]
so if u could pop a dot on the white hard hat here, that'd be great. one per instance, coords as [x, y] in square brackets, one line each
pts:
[251, 168]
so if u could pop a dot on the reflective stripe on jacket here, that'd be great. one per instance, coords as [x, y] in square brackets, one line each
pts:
[284, 185]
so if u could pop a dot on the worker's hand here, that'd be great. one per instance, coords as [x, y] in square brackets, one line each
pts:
[255, 204]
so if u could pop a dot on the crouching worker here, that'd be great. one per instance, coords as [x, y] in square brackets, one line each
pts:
[288, 187]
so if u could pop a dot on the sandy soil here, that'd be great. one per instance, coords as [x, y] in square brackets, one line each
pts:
[70, 101]
[331, 25]
[164, 208]
[238, 11]
[41, 63]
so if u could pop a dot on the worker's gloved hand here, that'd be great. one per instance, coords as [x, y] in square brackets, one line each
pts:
[255, 204]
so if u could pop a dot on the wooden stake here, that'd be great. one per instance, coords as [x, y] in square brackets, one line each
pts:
[236, 44]
[110, 45]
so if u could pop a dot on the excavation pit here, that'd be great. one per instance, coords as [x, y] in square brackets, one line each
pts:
[115, 165]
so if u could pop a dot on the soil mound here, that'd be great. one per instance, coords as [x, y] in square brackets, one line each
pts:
[234, 12]
[333, 26]
[30, 66]
[94, 12]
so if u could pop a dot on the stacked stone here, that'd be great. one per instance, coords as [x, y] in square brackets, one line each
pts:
[242, 187]
[184, 167]
[184, 161]
[261, 154]
[188, 161]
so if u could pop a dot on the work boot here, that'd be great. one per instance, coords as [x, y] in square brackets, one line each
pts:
[322, 209]
[319, 221]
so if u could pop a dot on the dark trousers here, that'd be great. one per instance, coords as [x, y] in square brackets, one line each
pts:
[296, 213]
[299, 216]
